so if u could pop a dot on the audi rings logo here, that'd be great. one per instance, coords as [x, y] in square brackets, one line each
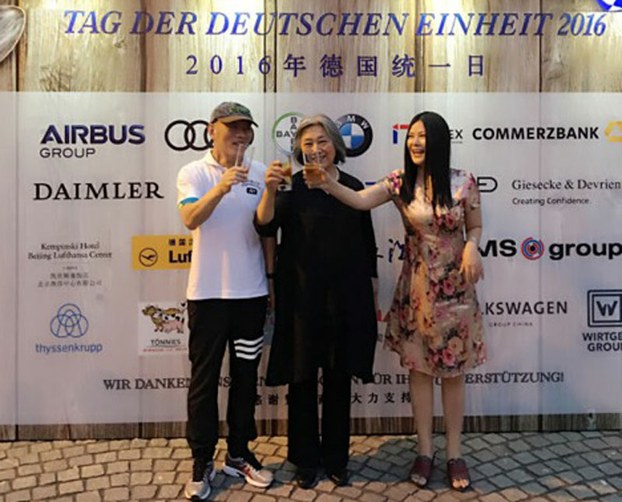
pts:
[182, 135]
[69, 322]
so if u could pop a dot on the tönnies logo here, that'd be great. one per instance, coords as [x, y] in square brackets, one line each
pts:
[79, 140]
[537, 133]
[533, 249]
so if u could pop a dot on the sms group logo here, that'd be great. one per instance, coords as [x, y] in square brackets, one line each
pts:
[533, 249]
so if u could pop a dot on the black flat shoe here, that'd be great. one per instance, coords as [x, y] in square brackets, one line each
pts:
[305, 477]
[340, 477]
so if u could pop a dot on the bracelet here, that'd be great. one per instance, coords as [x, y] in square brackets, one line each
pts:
[473, 239]
[270, 275]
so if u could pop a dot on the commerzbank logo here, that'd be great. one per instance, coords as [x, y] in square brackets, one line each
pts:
[613, 131]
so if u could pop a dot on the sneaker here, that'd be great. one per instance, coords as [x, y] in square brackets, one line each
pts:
[199, 488]
[250, 468]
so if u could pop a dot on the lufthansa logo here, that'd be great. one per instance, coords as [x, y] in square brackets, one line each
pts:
[182, 135]
[356, 133]
[148, 257]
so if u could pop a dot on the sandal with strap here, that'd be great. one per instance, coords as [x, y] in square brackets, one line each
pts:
[458, 471]
[421, 471]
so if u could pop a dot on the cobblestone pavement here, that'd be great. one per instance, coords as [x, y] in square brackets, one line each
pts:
[527, 466]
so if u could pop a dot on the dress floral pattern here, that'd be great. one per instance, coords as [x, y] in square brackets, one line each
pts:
[435, 323]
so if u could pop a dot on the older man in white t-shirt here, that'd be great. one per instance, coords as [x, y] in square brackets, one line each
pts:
[227, 296]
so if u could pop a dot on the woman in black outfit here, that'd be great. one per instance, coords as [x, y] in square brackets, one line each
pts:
[325, 315]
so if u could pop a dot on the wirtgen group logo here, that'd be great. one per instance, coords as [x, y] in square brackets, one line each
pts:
[78, 141]
[613, 131]
[610, 5]
[356, 133]
[181, 135]
[604, 308]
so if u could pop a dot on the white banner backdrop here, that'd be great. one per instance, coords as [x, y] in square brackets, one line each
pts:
[102, 253]
[8, 257]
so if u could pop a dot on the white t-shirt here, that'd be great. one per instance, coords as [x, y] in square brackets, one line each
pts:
[227, 258]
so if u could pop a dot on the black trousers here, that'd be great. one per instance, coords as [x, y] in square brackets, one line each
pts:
[305, 446]
[214, 324]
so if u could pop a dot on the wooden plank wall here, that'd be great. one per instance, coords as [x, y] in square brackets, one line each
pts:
[52, 61]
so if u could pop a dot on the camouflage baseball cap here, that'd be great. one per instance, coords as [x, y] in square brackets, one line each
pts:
[230, 112]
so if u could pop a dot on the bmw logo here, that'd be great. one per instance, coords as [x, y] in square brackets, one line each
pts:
[356, 132]
[611, 5]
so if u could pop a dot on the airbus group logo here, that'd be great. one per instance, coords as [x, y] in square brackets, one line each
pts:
[356, 133]
[181, 135]
[610, 5]
[77, 141]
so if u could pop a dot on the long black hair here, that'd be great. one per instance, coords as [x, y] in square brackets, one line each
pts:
[437, 156]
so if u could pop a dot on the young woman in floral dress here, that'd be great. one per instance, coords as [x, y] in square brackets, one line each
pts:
[434, 323]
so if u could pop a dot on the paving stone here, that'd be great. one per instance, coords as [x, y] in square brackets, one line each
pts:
[88, 497]
[132, 454]
[24, 482]
[581, 492]
[143, 492]
[169, 491]
[18, 496]
[610, 469]
[81, 460]
[48, 456]
[488, 470]
[118, 493]
[561, 450]
[590, 473]
[525, 458]
[71, 487]
[601, 487]
[7, 474]
[570, 477]
[513, 494]
[99, 447]
[544, 454]
[98, 483]
[501, 481]
[140, 478]
[557, 465]
[562, 496]
[44, 492]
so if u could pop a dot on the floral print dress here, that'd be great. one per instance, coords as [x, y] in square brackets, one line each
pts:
[435, 323]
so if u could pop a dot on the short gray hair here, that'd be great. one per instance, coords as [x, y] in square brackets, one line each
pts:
[331, 131]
